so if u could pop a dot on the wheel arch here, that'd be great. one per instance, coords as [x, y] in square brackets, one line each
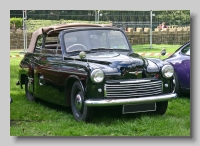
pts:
[68, 87]
[22, 80]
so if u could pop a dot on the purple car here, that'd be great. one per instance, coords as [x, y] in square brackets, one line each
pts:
[180, 60]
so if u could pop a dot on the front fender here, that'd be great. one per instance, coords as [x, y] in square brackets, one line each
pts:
[69, 83]
[153, 62]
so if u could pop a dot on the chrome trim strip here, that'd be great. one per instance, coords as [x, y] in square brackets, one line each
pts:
[135, 81]
[112, 89]
[134, 72]
[105, 91]
[73, 72]
[113, 102]
[50, 69]
[136, 95]
[65, 71]
[132, 84]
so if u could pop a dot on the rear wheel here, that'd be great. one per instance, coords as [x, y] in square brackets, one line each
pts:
[80, 111]
[29, 96]
[161, 107]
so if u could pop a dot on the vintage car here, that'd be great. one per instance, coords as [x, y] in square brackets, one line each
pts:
[91, 65]
[180, 60]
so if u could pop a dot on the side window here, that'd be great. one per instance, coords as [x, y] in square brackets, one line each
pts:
[186, 50]
[38, 44]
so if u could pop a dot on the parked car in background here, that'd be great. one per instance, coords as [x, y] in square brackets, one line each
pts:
[90, 65]
[180, 60]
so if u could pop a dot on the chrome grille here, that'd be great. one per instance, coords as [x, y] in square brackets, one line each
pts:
[133, 89]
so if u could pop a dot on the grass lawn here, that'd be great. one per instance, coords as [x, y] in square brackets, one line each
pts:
[46, 119]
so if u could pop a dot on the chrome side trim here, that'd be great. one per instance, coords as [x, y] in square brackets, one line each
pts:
[113, 102]
[71, 72]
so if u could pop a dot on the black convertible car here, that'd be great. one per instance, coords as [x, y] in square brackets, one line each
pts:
[89, 65]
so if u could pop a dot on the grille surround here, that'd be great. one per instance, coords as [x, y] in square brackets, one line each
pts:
[132, 88]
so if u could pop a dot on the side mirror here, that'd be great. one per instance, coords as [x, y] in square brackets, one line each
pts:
[162, 52]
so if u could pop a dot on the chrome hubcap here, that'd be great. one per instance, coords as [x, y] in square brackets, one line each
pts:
[78, 102]
[174, 85]
[174, 81]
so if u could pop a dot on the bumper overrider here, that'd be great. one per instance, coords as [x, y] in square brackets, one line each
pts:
[127, 101]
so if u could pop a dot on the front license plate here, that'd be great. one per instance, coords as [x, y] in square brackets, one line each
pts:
[138, 108]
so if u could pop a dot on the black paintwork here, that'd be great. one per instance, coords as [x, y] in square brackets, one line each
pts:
[60, 71]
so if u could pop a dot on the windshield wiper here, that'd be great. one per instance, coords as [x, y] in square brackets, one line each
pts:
[101, 48]
[77, 51]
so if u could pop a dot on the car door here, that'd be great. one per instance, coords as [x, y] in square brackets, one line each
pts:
[46, 76]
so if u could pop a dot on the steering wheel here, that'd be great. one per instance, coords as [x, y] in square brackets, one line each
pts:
[74, 48]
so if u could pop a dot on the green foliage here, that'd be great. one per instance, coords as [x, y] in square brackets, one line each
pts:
[17, 21]
[172, 17]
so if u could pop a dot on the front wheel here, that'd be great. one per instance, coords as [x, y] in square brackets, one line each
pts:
[80, 111]
[161, 107]
[177, 88]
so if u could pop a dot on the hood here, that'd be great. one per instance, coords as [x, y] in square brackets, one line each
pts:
[113, 63]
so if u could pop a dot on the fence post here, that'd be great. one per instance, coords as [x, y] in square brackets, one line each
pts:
[96, 11]
[98, 15]
[25, 30]
[150, 29]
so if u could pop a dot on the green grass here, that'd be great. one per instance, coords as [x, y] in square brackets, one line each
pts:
[155, 48]
[45, 119]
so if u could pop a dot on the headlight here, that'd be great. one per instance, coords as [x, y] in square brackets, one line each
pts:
[97, 76]
[167, 71]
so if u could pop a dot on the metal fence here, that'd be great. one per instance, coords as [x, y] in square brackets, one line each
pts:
[122, 19]
[119, 18]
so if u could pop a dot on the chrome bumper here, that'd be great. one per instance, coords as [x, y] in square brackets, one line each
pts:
[142, 100]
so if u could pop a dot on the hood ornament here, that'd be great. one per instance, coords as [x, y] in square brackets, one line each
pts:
[82, 54]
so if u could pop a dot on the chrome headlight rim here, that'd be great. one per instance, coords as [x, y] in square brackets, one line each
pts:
[97, 76]
[146, 62]
[167, 71]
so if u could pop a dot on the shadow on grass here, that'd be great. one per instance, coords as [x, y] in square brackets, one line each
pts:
[104, 115]
[53, 106]
[109, 115]
[101, 115]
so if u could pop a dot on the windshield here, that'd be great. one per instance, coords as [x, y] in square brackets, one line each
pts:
[186, 50]
[86, 40]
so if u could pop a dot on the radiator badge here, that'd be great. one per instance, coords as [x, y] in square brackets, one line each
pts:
[136, 72]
